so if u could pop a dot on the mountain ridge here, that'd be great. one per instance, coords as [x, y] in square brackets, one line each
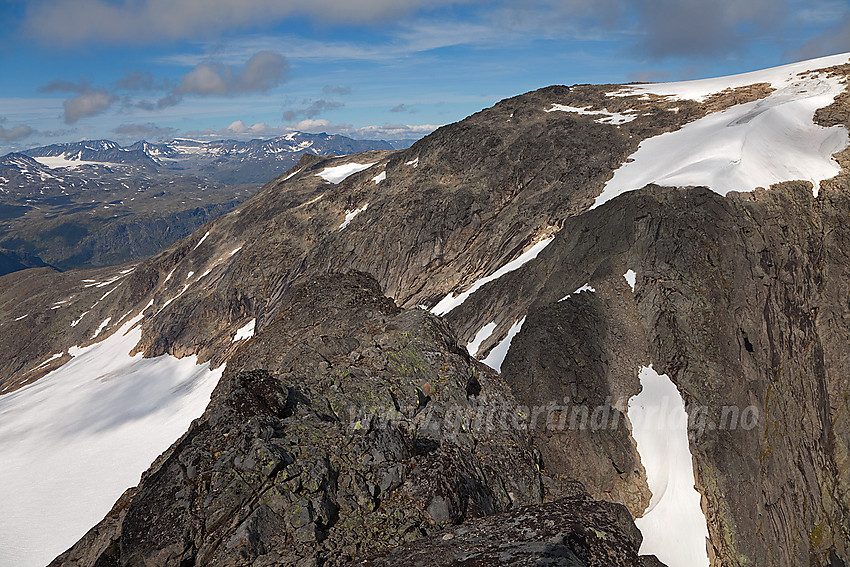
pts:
[736, 298]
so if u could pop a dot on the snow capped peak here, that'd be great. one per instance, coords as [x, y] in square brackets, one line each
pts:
[701, 89]
[745, 146]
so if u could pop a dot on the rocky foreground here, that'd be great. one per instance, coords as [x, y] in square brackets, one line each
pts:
[344, 429]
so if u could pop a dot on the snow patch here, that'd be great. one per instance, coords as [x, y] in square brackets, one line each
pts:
[101, 327]
[497, 355]
[349, 216]
[201, 241]
[314, 200]
[673, 525]
[631, 278]
[701, 89]
[105, 406]
[606, 117]
[585, 287]
[450, 301]
[338, 173]
[482, 335]
[54, 162]
[76, 321]
[380, 177]
[46, 362]
[293, 174]
[105, 295]
[245, 332]
[413, 162]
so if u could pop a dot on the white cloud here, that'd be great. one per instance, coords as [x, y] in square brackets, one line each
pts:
[239, 130]
[239, 127]
[18, 132]
[262, 72]
[373, 132]
[87, 103]
[316, 125]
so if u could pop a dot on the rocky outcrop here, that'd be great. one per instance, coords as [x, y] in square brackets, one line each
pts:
[741, 301]
[343, 428]
[574, 531]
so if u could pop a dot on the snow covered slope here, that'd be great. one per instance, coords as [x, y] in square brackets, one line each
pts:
[74, 441]
[747, 145]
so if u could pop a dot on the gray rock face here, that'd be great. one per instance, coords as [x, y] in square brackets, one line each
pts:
[731, 302]
[344, 428]
[573, 531]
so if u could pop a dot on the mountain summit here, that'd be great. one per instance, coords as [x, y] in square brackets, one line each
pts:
[594, 325]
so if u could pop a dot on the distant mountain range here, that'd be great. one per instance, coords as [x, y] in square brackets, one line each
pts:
[234, 161]
[96, 203]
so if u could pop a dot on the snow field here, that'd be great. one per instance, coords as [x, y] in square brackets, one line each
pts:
[74, 441]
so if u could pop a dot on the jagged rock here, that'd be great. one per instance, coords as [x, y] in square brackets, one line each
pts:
[302, 455]
[574, 531]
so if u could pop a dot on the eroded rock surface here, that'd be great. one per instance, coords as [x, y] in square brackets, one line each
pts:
[344, 428]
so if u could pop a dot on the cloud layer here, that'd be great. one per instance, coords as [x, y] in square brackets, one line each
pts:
[74, 22]
[658, 28]
[262, 72]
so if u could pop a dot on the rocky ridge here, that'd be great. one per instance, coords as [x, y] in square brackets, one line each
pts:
[741, 300]
[331, 437]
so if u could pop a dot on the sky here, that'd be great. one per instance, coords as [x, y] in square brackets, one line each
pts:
[127, 70]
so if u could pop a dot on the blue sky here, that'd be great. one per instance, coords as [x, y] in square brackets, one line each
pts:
[210, 69]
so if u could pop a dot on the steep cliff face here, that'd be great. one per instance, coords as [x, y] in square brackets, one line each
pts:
[497, 225]
[727, 303]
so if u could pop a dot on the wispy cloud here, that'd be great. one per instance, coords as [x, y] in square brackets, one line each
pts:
[337, 90]
[75, 22]
[144, 131]
[314, 109]
[261, 72]
[140, 81]
[87, 100]
[15, 133]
